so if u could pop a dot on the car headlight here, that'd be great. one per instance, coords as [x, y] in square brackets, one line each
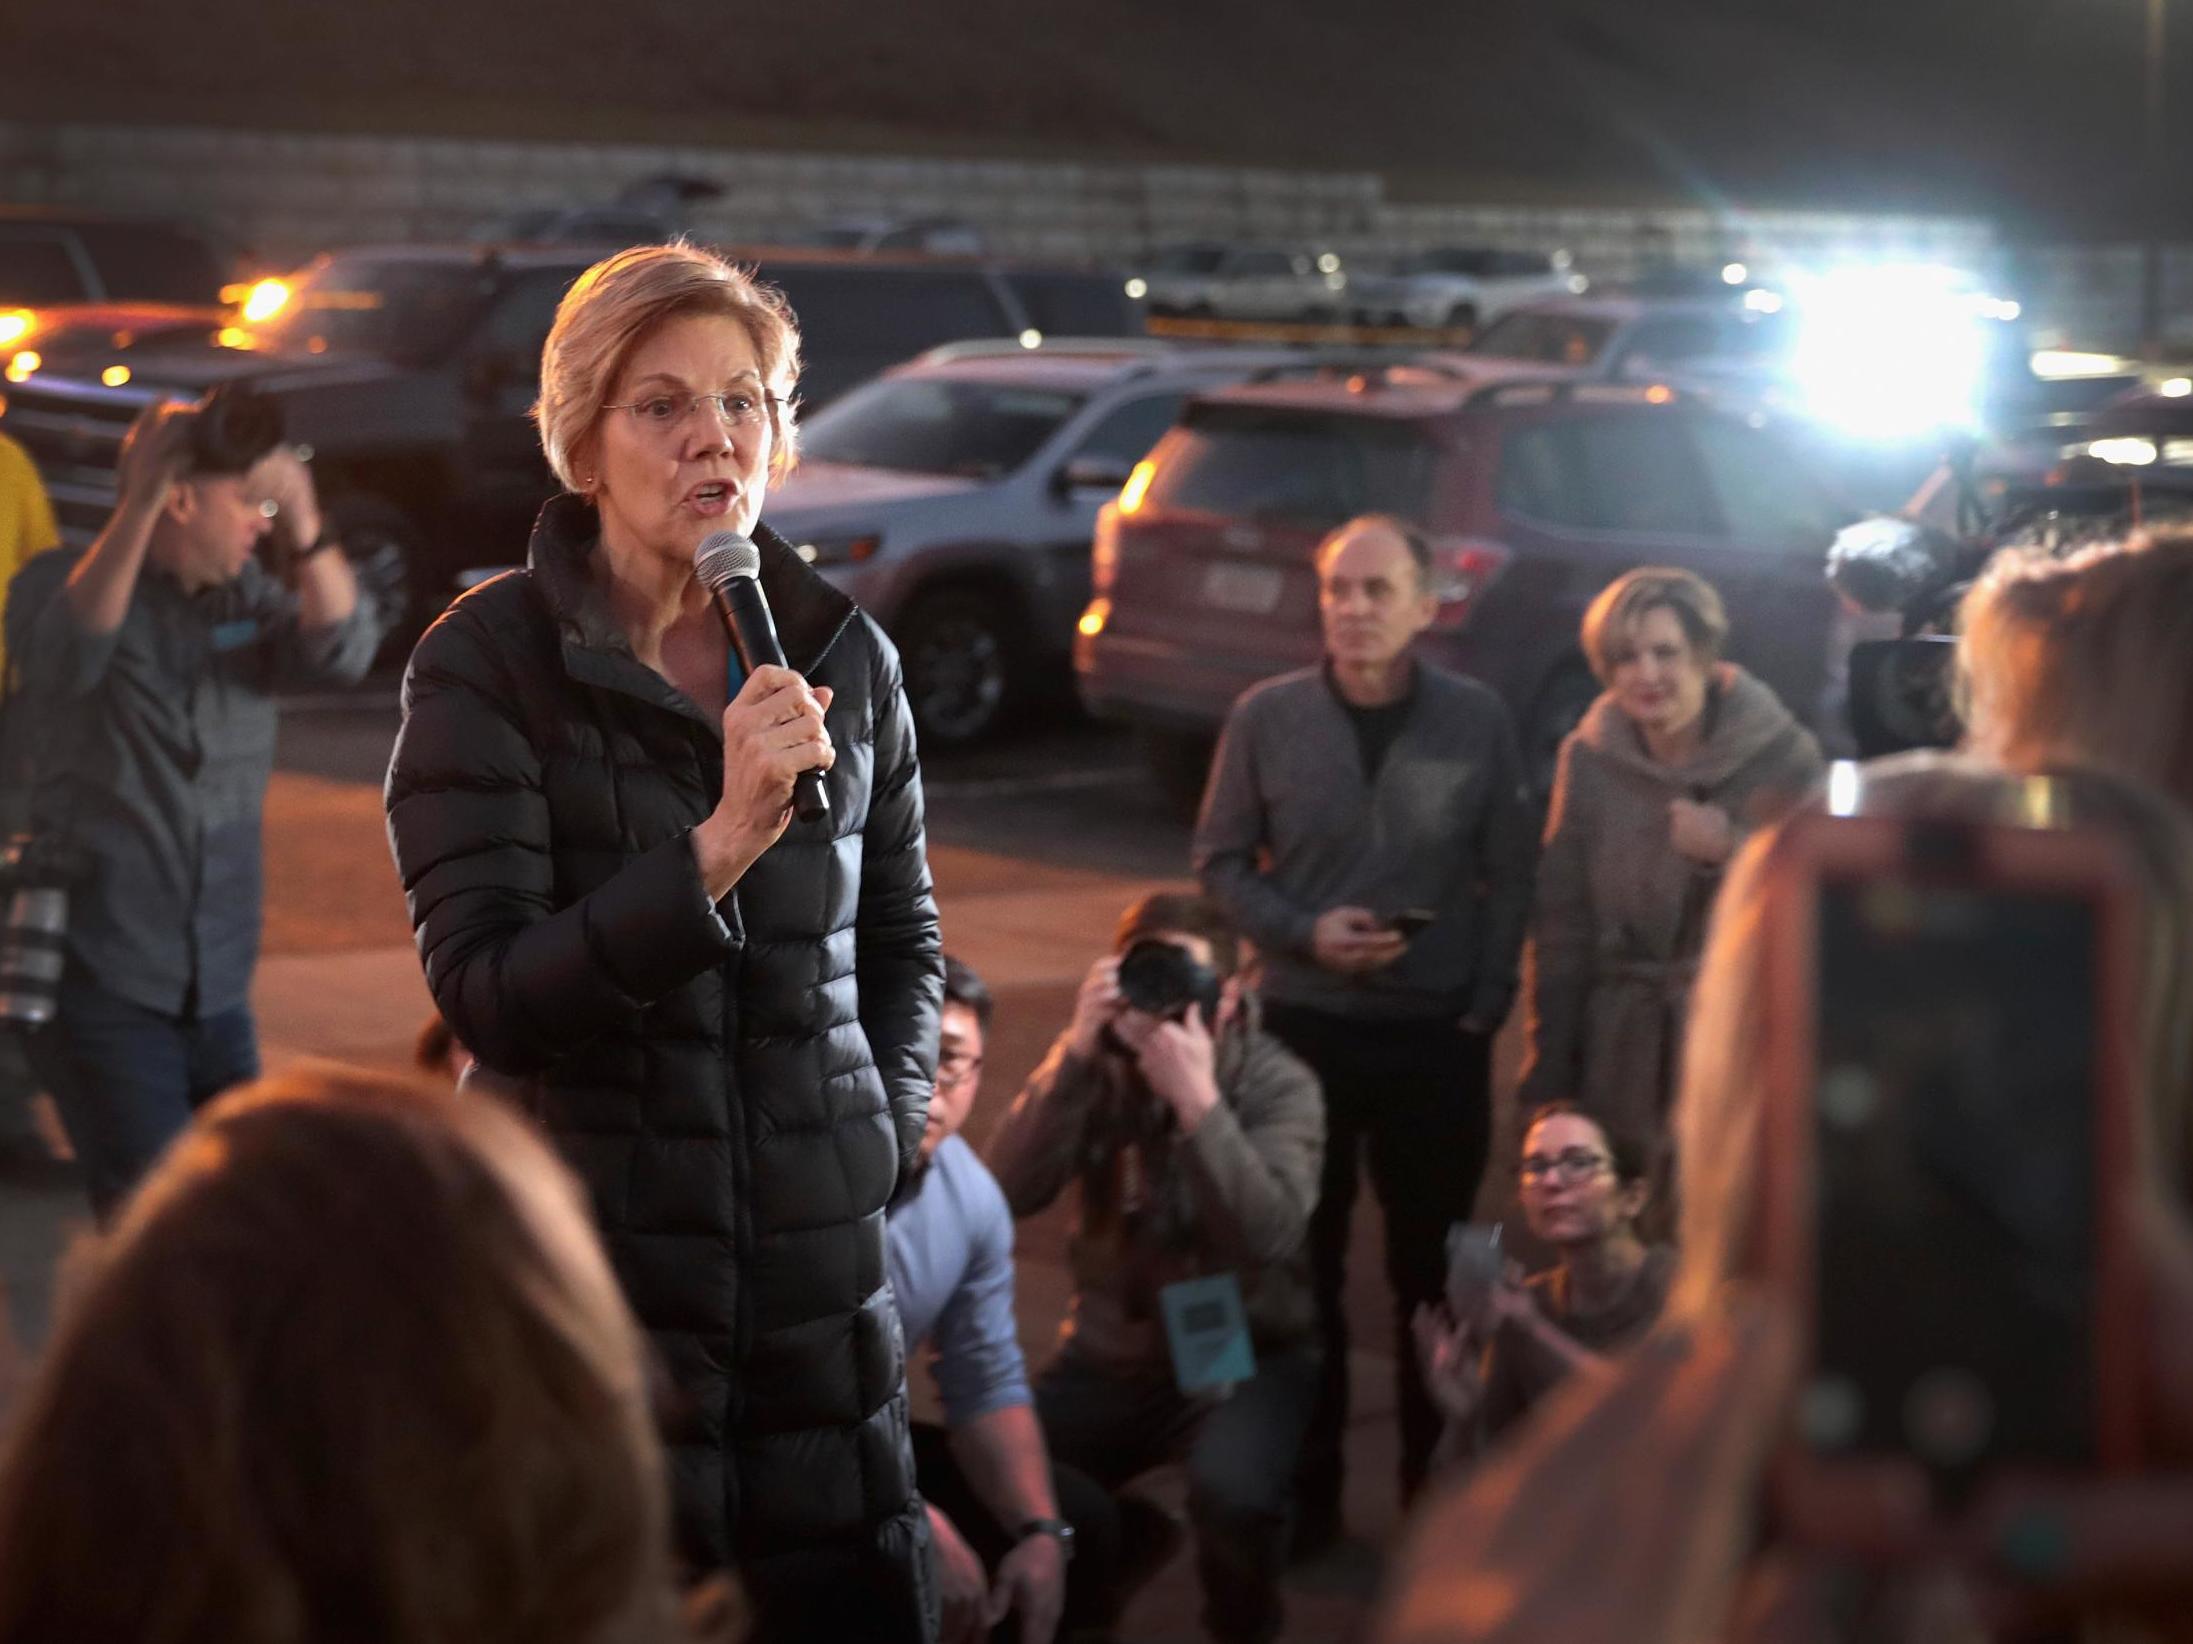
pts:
[840, 550]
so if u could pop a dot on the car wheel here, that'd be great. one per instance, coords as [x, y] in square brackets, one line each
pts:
[1179, 763]
[385, 550]
[960, 652]
[1462, 316]
[1561, 703]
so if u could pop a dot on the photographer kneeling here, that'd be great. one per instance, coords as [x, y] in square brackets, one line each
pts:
[1196, 1140]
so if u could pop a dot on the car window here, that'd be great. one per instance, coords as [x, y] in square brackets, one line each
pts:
[891, 312]
[1614, 471]
[37, 269]
[1758, 336]
[1671, 340]
[1070, 304]
[927, 425]
[1764, 496]
[1551, 339]
[1187, 259]
[154, 262]
[1128, 431]
[517, 325]
[1263, 262]
[1255, 463]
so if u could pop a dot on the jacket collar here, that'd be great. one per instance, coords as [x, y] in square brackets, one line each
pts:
[810, 613]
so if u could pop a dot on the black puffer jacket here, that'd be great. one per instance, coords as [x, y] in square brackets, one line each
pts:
[739, 1087]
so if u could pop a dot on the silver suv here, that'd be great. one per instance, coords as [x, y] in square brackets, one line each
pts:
[955, 497]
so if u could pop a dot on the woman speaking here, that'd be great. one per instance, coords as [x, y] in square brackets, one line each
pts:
[726, 1018]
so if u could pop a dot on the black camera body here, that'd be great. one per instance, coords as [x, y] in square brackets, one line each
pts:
[1162, 978]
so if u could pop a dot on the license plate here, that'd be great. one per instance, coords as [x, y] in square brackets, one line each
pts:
[1251, 589]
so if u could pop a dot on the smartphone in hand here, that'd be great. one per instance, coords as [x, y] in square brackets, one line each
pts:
[1948, 1145]
[1409, 921]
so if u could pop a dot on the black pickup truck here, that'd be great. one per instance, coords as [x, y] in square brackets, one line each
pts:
[410, 372]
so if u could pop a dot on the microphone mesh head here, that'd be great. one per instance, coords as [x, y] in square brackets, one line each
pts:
[724, 555]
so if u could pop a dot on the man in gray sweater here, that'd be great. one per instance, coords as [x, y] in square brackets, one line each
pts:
[1367, 825]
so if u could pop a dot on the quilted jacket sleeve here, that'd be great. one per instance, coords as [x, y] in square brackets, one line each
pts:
[522, 981]
[899, 950]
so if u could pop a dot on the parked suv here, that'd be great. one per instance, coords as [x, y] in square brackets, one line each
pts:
[1639, 338]
[955, 497]
[1458, 286]
[1250, 283]
[411, 371]
[1535, 496]
[57, 255]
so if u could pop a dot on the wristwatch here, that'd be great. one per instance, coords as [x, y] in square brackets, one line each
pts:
[1056, 1528]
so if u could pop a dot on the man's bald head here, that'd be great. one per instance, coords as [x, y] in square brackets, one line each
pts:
[1374, 590]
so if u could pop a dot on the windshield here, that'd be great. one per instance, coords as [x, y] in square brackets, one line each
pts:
[1448, 262]
[1550, 339]
[1252, 463]
[928, 425]
[400, 309]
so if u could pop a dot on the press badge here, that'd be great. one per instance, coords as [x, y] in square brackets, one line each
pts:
[1208, 1331]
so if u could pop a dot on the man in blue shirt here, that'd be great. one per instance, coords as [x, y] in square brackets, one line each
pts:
[992, 1497]
[144, 669]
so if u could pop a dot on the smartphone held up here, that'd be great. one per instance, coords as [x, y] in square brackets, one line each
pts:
[1949, 1148]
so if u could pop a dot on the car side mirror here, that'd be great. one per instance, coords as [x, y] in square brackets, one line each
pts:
[1090, 472]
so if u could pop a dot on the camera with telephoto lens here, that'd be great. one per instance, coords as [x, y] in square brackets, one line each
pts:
[1902, 691]
[232, 428]
[37, 872]
[1163, 979]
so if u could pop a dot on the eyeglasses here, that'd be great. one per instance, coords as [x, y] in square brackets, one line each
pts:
[957, 1067]
[1571, 1165]
[736, 407]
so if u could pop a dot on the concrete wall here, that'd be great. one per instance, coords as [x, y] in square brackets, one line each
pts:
[287, 195]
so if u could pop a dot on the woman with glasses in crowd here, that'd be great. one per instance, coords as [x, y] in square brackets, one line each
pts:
[726, 1018]
[1583, 1189]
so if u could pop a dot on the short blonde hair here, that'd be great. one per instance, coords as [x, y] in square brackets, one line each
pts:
[1622, 603]
[2087, 658]
[617, 303]
[1734, 1020]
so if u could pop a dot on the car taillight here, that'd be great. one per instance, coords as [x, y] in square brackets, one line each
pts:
[1104, 549]
[1461, 572]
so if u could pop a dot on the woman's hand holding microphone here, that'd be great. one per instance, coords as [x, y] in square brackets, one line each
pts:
[772, 731]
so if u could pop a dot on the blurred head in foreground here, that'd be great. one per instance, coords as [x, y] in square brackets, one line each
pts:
[2086, 659]
[350, 1365]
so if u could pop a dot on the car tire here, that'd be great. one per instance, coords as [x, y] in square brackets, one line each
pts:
[1179, 764]
[1560, 704]
[1463, 316]
[386, 551]
[962, 653]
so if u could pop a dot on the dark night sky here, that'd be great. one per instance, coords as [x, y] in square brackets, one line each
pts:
[2029, 110]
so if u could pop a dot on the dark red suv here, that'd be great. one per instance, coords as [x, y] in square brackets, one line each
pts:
[1535, 493]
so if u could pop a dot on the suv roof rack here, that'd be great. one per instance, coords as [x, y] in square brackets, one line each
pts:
[1559, 390]
[991, 348]
[1319, 362]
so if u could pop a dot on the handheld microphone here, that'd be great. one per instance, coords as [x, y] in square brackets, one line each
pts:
[731, 567]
